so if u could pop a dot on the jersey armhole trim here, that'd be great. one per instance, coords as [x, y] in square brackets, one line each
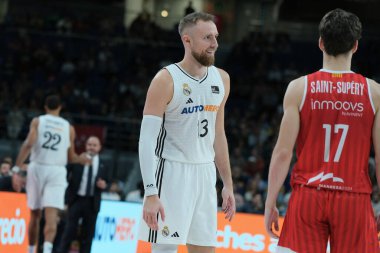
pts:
[370, 96]
[304, 95]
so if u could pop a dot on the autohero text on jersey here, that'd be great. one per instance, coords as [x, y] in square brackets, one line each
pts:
[200, 108]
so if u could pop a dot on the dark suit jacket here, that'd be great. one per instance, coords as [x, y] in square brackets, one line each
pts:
[74, 178]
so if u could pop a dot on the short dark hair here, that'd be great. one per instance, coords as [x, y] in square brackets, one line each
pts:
[192, 19]
[339, 30]
[52, 102]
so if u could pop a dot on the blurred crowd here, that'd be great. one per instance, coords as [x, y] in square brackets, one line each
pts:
[101, 68]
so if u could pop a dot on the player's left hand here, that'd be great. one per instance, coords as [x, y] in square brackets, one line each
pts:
[228, 206]
[101, 184]
[18, 183]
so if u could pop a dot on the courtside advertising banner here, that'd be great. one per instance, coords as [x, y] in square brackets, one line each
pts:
[14, 220]
[116, 227]
[245, 233]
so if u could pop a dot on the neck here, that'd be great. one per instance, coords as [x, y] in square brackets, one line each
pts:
[337, 63]
[54, 113]
[193, 67]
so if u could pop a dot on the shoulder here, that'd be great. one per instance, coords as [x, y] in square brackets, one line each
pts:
[375, 87]
[295, 91]
[162, 77]
[162, 82]
[35, 122]
[297, 85]
[225, 76]
[375, 92]
[226, 79]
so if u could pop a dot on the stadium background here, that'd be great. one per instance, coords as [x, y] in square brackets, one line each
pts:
[100, 55]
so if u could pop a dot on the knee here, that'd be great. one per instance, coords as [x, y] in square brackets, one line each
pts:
[50, 227]
[35, 216]
[164, 248]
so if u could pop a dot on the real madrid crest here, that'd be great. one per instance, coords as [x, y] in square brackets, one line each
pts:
[186, 89]
[165, 231]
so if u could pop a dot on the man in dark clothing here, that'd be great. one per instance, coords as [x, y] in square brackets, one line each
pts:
[83, 196]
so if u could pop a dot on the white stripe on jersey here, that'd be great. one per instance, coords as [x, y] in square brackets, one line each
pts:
[53, 141]
[188, 130]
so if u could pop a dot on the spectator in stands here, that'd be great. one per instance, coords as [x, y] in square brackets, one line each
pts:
[114, 192]
[136, 195]
[13, 183]
[5, 169]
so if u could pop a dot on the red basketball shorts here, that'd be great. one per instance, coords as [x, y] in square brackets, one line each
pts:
[315, 216]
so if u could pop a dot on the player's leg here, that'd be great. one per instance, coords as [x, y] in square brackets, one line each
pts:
[203, 228]
[353, 225]
[305, 227]
[200, 249]
[34, 199]
[164, 248]
[52, 201]
[33, 229]
[50, 229]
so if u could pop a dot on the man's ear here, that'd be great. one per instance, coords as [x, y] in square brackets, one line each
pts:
[321, 45]
[186, 38]
[355, 47]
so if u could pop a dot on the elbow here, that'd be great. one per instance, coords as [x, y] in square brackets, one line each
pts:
[283, 154]
[27, 146]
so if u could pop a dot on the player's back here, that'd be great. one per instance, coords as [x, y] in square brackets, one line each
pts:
[53, 141]
[188, 130]
[334, 141]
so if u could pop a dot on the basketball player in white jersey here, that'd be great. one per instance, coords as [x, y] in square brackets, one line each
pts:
[50, 143]
[182, 138]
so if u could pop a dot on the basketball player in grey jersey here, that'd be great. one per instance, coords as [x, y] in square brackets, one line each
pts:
[182, 138]
[50, 143]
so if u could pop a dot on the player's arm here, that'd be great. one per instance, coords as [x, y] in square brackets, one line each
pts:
[159, 94]
[72, 156]
[222, 160]
[375, 93]
[283, 151]
[28, 143]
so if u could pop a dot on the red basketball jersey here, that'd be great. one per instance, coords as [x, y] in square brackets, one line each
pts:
[334, 141]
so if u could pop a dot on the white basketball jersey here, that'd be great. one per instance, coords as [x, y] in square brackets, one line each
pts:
[188, 129]
[52, 142]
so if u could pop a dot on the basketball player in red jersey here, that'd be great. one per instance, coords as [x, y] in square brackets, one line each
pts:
[332, 116]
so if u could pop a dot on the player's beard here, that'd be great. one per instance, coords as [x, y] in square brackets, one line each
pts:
[203, 58]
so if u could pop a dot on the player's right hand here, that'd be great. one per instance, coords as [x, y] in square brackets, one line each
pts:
[378, 222]
[271, 220]
[85, 159]
[152, 206]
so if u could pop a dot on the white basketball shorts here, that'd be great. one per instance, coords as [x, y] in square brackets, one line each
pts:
[188, 195]
[45, 186]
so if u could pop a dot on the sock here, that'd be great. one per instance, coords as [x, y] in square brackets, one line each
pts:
[31, 248]
[48, 247]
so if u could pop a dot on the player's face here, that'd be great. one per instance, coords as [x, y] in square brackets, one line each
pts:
[204, 38]
[93, 146]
